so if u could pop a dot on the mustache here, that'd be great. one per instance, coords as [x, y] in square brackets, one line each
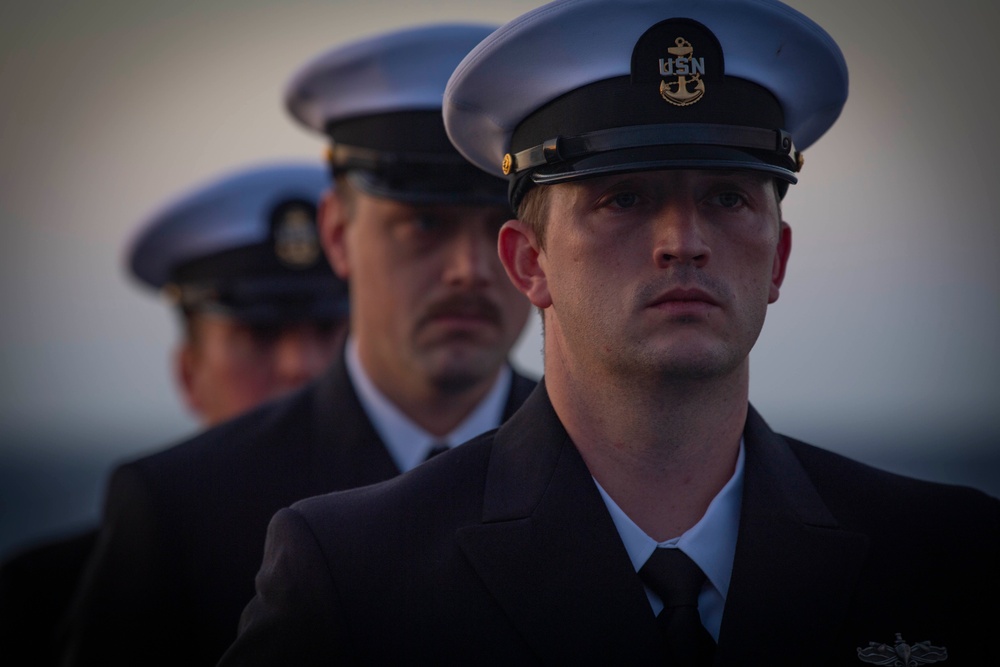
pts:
[464, 305]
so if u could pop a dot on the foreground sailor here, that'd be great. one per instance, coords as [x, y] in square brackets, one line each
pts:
[637, 510]
[412, 227]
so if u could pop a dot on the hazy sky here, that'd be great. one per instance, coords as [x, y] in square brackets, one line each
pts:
[888, 324]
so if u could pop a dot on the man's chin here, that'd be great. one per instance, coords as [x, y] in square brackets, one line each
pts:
[687, 359]
[460, 365]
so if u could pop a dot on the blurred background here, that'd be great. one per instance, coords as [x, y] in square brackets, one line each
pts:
[885, 344]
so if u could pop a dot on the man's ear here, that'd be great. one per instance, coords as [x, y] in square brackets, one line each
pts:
[781, 253]
[519, 254]
[331, 223]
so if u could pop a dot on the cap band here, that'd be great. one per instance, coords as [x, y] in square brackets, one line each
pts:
[265, 299]
[416, 131]
[356, 157]
[406, 156]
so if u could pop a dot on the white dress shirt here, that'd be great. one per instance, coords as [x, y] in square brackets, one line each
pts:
[710, 543]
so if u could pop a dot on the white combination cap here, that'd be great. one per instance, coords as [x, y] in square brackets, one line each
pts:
[578, 88]
[244, 244]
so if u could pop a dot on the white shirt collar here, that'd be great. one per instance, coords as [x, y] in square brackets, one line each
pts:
[711, 543]
[408, 444]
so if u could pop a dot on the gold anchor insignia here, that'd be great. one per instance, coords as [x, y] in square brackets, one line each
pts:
[921, 653]
[295, 241]
[688, 88]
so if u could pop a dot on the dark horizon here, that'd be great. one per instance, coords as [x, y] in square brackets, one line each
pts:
[44, 494]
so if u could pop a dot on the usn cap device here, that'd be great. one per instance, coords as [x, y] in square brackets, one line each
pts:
[378, 101]
[244, 245]
[578, 88]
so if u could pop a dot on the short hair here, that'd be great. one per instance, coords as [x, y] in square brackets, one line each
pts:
[532, 211]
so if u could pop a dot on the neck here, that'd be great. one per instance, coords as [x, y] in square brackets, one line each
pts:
[439, 410]
[661, 448]
[437, 405]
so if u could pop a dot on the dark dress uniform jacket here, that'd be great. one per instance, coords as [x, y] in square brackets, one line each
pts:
[36, 587]
[184, 528]
[501, 552]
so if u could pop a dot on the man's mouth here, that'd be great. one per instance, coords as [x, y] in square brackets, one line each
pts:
[473, 309]
[684, 301]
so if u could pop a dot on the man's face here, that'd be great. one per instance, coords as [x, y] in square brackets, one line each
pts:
[227, 367]
[432, 309]
[666, 272]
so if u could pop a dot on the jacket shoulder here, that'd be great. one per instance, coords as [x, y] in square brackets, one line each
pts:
[223, 445]
[448, 488]
[868, 493]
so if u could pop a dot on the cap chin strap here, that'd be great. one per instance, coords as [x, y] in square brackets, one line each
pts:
[562, 149]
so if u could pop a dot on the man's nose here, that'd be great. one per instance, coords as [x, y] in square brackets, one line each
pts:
[300, 354]
[680, 236]
[472, 257]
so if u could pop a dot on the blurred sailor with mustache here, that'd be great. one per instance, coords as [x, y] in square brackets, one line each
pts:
[413, 228]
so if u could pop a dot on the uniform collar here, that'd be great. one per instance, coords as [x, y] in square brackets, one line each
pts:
[711, 543]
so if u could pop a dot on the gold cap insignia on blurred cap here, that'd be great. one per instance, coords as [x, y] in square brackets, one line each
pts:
[295, 241]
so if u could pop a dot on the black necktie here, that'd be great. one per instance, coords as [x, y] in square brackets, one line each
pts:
[678, 580]
[436, 448]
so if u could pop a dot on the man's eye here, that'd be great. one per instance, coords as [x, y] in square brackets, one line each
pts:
[427, 223]
[729, 199]
[624, 199]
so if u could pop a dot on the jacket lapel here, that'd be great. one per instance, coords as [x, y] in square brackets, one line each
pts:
[347, 451]
[794, 569]
[549, 553]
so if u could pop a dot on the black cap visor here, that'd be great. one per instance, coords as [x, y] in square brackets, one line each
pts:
[650, 158]
[254, 285]
[407, 156]
[270, 300]
[431, 184]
